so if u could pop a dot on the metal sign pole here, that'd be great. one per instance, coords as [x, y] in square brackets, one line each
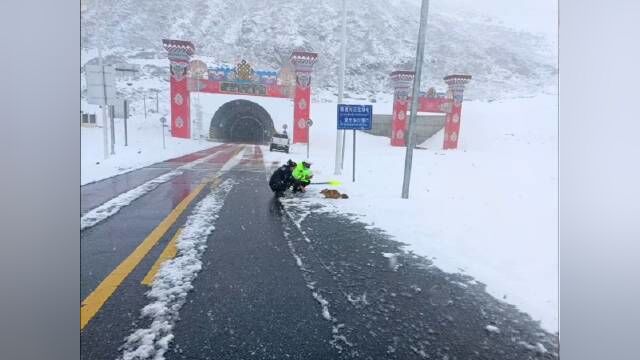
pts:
[308, 124]
[144, 100]
[126, 114]
[424, 10]
[156, 101]
[354, 156]
[354, 117]
[105, 131]
[344, 145]
[163, 120]
[112, 110]
[308, 138]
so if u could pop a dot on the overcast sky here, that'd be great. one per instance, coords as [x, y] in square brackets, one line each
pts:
[540, 16]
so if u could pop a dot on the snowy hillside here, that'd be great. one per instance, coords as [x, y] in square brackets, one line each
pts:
[382, 35]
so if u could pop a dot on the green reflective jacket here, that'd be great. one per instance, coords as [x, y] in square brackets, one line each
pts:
[301, 173]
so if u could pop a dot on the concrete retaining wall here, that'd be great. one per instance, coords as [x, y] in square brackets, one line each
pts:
[426, 126]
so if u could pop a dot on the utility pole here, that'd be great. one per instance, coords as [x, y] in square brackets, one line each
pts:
[104, 88]
[422, 32]
[144, 99]
[112, 110]
[126, 115]
[105, 131]
[343, 60]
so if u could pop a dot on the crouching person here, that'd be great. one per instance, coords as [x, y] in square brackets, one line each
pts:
[302, 175]
[282, 178]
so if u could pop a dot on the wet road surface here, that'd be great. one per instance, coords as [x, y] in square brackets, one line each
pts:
[105, 245]
[280, 280]
[96, 193]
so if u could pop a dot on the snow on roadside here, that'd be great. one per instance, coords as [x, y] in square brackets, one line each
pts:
[114, 205]
[488, 209]
[174, 280]
[144, 145]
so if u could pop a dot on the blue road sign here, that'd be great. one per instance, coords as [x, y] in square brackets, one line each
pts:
[354, 117]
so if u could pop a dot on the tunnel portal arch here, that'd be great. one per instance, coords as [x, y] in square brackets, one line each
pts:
[241, 121]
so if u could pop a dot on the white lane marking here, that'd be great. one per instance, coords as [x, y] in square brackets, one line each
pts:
[114, 205]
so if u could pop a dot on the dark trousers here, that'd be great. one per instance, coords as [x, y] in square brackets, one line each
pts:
[299, 185]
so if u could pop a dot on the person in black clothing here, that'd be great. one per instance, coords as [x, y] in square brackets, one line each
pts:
[282, 178]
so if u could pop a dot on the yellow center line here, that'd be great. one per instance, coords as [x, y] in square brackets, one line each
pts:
[170, 250]
[94, 301]
[168, 253]
[92, 304]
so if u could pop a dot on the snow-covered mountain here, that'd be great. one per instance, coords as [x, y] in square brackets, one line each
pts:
[381, 37]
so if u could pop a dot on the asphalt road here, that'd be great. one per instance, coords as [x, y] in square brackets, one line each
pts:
[280, 282]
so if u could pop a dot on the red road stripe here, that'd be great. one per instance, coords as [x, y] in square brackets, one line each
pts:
[198, 155]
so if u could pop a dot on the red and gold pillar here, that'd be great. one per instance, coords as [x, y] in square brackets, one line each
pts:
[303, 64]
[455, 93]
[401, 81]
[179, 53]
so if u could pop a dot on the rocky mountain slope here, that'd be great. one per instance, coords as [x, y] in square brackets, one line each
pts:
[381, 37]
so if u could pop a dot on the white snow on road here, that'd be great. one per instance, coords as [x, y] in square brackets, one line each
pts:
[234, 160]
[114, 205]
[487, 209]
[174, 280]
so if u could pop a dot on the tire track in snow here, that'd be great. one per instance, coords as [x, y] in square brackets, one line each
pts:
[338, 339]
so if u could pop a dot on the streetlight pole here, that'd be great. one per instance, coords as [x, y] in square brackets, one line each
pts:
[112, 110]
[343, 60]
[105, 129]
[126, 115]
[422, 32]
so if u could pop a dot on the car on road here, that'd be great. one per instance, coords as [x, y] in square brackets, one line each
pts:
[279, 142]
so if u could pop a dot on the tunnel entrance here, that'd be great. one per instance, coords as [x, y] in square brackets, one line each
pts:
[241, 121]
